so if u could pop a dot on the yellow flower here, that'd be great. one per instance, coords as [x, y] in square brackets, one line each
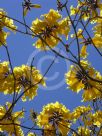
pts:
[25, 77]
[97, 40]
[83, 131]
[77, 80]
[83, 52]
[7, 124]
[73, 10]
[94, 119]
[49, 28]
[31, 134]
[74, 78]
[5, 22]
[79, 34]
[3, 37]
[80, 111]
[55, 115]
[97, 29]
[85, 42]
[86, 9]
[97, 118]
[4, 69]
[49, 131]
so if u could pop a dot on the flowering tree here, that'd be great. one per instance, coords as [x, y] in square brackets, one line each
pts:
[81, 28]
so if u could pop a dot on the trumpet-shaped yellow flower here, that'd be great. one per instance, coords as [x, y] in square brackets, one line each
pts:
[10, 123]
[50, 27]
[4, 69]
[85, 42]
[97, 29]
[55, 116]
[5, 22]
[3, 37]
[83, 52]
[25, 77]
[86, 9]
[80, 111]
[78, 80]
[28, 77]
[97, 40]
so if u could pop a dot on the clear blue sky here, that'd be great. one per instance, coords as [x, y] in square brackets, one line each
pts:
[21, 52]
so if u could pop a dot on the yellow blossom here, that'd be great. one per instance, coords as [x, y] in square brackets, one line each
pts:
[4, 69]
[7, 123]
[50, 28]
[93, 119]
[83, 131]
[83, 52]
[5, 22]
[28, 77]
[23, 77]
[3, 36]
[80, 111]
[86, 9]
[78, 80]
[55, 114]
[97, 118]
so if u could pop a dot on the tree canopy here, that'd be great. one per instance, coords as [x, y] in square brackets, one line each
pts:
[73, 33]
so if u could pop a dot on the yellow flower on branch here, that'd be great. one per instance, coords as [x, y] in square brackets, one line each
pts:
[77, 80]
[5, 22]
[4, 69]
[87, 9]
[3, 37]
[85, 42]
[83, 52]
[80, 111]
[97, 118]
[55, 116]
[26, 78]
[11, 122]
[50, 28]
[93, 119]
[83, 131]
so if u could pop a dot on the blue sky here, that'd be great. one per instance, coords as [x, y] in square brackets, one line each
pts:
[22, 51]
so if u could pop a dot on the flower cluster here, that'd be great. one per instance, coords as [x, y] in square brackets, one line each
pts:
[55, 117]
[5, 22]
[23, 77]
[97, 29]
[22, 82]
[87, 9]
[77, 80]
[80, 111]
[49, 28]
[11, 122]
